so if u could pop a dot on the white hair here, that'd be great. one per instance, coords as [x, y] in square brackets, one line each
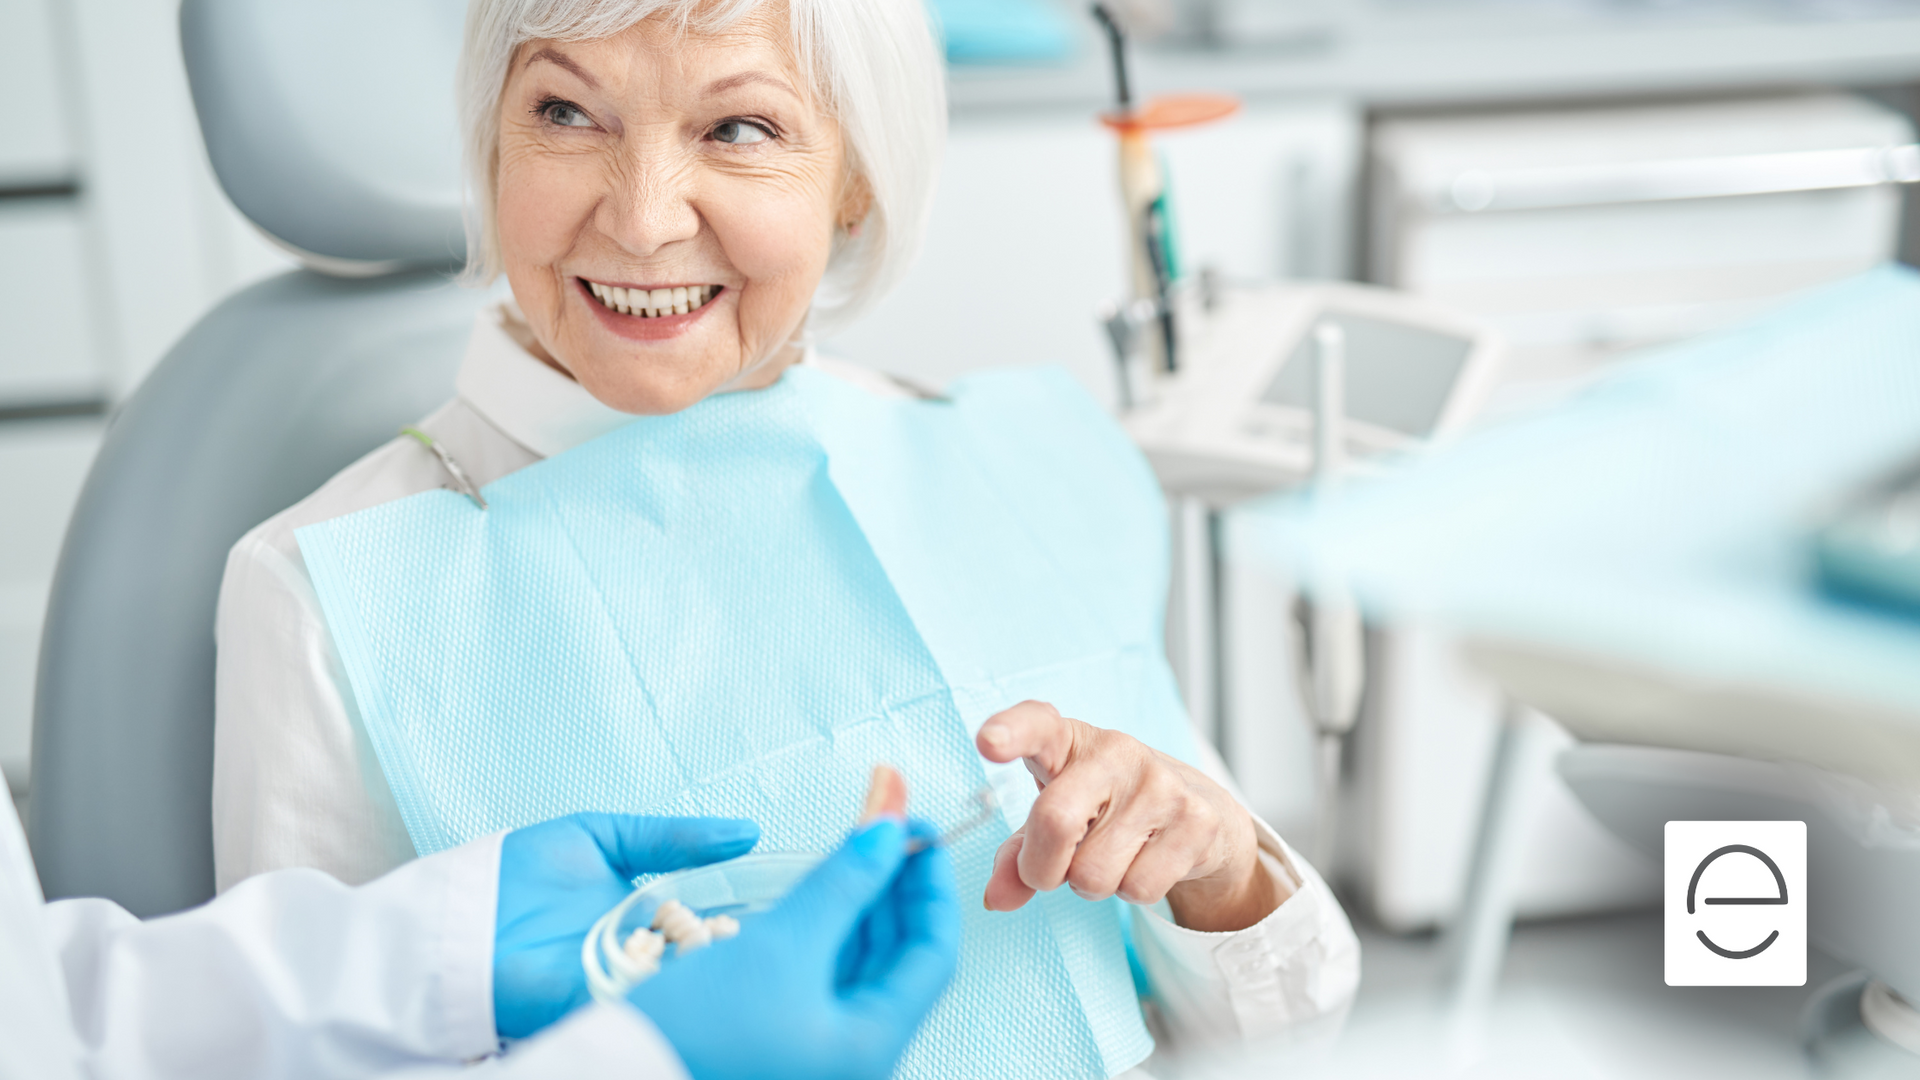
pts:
[873, 63]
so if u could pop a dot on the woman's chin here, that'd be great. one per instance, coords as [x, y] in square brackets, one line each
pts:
[657, 391]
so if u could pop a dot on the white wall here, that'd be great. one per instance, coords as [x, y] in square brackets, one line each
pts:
[169, 243]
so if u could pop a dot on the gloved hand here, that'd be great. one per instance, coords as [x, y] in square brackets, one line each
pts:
[831, 983]
[558, 877]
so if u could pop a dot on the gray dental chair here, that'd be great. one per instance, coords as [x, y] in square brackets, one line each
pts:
[331, 127]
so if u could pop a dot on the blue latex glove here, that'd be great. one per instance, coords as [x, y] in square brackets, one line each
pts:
[558, 877]
[831, 983]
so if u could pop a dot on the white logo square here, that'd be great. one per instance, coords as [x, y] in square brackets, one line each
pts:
[1736, 899]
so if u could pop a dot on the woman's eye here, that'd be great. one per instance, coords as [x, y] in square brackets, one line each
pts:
[564, 114]
[740, 133]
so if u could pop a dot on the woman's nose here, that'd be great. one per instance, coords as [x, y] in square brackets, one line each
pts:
[652, 202]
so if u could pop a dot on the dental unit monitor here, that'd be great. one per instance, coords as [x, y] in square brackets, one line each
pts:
[1239, 420]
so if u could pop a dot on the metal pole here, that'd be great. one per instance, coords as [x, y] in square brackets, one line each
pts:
[1478, 938]
[1217, 606]
[1335, 647]
[1196, 655]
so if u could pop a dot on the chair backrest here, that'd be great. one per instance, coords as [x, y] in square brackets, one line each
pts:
[331, 126]
[271, 393]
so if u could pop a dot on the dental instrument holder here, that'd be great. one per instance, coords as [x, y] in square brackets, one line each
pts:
[1332, 644]
[1143, 193]
[1124, 324]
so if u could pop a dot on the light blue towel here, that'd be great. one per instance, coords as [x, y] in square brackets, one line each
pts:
[1662, 517]
[741, 608]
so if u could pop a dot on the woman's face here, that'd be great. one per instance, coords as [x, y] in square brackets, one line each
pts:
[658, 161]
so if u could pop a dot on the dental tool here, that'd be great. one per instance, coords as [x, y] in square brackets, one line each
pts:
[1153, 258]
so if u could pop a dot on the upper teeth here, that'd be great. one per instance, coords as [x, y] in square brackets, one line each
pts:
[653, 303]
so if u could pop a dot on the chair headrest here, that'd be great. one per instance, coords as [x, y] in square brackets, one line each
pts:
[332, 126]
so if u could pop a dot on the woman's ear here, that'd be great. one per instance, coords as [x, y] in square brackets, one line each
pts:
[856, 200]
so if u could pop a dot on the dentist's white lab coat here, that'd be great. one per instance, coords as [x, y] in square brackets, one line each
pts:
[290, 974]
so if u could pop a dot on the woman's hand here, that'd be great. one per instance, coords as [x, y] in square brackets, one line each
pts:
[1117, 817]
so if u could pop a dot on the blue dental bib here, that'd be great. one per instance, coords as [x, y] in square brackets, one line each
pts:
[739, 609]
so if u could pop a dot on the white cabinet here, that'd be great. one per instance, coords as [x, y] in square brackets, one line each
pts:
[48, 353]
[36, 132]
[1585, 231]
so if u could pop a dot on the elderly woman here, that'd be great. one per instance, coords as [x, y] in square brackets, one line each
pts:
[681, 195]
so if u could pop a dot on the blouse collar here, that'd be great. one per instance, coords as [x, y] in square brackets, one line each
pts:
[529, 402]
[540, 408]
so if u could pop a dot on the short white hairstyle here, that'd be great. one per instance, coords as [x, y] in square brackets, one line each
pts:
[872, 63]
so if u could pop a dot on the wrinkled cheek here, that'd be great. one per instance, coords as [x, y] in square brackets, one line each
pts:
[535, 226]
[781, 250]
[543, 202]
[538, 215]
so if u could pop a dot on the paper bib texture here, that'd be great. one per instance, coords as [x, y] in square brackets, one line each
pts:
[741, 608]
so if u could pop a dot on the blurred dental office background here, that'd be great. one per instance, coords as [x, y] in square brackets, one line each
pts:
[1588, 175]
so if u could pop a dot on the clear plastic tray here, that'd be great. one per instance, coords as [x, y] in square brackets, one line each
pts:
[739, 887]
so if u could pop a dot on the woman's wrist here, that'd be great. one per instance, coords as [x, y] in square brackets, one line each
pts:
[1238, 897]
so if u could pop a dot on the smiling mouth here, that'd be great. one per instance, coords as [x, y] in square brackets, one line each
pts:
[653, 303]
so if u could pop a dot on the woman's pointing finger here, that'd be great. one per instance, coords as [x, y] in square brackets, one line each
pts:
[1033, 730]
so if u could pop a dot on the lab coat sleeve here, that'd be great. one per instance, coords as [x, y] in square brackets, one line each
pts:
[290, 974]
[598, 1041]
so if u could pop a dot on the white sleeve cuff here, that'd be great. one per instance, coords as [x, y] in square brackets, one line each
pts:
[600, 1040]
[1298, 965]
[469, 883]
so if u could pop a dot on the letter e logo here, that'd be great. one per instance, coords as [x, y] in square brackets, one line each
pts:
[1736, 903]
